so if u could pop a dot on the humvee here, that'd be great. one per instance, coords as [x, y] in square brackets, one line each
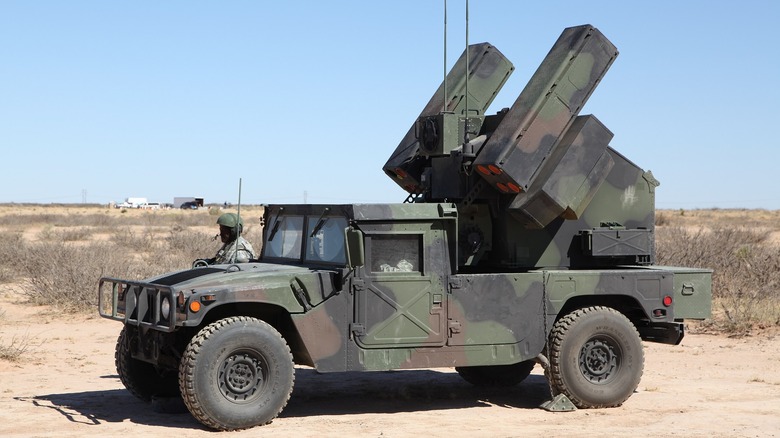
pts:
[525, 239]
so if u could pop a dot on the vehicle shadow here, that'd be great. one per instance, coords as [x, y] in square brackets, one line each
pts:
[403, 391]
[111, 406]
[314, 394]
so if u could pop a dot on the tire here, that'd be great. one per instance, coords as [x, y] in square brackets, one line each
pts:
[142, 379]
[596, 357]
[236, 373]
[496, 375]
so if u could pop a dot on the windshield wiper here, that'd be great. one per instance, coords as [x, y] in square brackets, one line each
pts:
[277, 222]
[320, 222]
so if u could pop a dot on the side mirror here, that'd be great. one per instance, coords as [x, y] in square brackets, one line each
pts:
[355, 254]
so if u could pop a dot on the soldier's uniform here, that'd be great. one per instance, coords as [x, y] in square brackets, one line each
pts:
[240, 248]
[235, 249]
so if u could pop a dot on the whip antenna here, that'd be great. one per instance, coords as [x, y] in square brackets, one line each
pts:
[238, 224]
[466, 104]
[468, 148]
[444, 102]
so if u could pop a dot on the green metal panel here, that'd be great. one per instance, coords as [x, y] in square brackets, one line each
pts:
[692, 292]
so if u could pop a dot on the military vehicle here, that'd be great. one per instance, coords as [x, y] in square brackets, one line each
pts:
[525, 239]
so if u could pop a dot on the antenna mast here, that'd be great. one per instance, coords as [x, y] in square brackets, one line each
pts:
[468, 148]
[466, 104]
[444, 102]
[238, 225]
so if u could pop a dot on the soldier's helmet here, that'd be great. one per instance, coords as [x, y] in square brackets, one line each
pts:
[230, 220]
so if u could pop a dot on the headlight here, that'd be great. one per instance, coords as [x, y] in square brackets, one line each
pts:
[165, 308]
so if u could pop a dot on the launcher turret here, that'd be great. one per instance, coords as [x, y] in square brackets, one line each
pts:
[536, 184]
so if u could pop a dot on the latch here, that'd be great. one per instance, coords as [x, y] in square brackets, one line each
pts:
[688, 289]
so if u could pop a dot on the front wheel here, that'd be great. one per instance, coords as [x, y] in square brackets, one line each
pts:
[596, 357]
[141, 379]
[236, 373]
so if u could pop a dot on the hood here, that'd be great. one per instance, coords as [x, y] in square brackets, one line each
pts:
[259, 282]
[216, 275]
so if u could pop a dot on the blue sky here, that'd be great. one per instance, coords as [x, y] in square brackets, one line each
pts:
[105, 100]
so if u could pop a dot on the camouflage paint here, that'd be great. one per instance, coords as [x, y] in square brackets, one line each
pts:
[546, 108]
[488, 71]
[473, 272]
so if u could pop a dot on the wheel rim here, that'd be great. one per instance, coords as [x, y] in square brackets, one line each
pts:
[242, 376]
[599, 359]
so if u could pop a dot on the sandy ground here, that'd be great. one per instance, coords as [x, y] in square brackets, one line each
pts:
[65, 385]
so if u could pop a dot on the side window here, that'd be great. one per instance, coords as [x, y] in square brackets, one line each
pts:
[396, 253]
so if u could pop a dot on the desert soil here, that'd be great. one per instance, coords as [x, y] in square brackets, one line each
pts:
[65, 385]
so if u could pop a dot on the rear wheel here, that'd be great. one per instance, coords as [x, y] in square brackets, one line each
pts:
[142, 379]
[596, 357]
[236, 373]
[496, 375]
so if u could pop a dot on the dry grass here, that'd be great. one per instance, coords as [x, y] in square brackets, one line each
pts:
[14, 349]
[57, 253]
[743, 249]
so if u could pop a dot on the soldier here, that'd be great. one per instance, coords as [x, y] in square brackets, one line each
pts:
[235, 248]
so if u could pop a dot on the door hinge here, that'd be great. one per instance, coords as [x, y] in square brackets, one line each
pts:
[454, 326]
[356, 330]
[358, 285]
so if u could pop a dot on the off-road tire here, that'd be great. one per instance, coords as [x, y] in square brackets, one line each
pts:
[141, 378]
[236, 373]
[596, 357]
[496, 375]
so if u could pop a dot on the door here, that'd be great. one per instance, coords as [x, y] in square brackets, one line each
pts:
[401, 301]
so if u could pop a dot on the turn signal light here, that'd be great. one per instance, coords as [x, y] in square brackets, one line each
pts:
[667, 301]
[195, 306]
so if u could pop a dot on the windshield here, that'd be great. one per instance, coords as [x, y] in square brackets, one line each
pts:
[284, 239]
[323, 240]
[326, 240]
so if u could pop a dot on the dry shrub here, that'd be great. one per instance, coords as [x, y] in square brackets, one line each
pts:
[661, 219]
[192, 219]
[62, 265]
[56, 219]
[65, 275]
[746, 278]
[12, 350]
[191, 245]
[128, 238]
[179, 248]
[10, 246]
[73, 234]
